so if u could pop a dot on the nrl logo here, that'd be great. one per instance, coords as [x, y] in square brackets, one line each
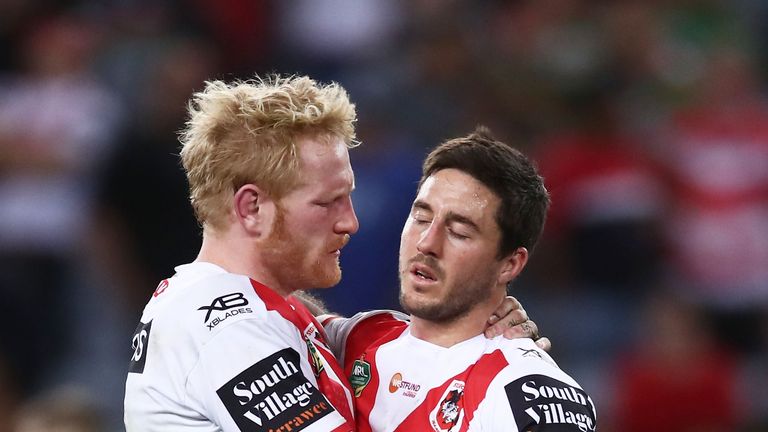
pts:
[361, 376]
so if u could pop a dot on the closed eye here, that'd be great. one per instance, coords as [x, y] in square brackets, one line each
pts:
[420, 218]
[457, 235]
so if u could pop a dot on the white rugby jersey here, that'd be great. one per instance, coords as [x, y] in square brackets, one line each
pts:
[218, 351]
[402, 383]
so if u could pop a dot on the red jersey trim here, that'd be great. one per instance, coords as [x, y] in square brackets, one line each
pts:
[476, 378]
[295, 312]
[362, 343]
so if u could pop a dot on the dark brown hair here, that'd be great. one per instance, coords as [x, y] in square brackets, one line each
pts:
[506, 172]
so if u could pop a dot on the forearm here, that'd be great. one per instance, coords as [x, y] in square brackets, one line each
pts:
[314, 304]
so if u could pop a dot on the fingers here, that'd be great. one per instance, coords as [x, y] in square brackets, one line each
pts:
[508, 305]
[527, 329]
[544, 343]
[514, 318]
[511, 321]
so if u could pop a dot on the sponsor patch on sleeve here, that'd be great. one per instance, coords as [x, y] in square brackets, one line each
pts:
[542, 403]
[361, 376]
[274, 394]
[140, 343]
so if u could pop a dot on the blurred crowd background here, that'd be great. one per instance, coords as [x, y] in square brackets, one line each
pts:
[648, 119]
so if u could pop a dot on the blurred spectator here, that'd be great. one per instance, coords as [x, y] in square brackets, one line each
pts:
[586, 85]
[324, 38]
[8, 397]
[658, 52]
[15, 16]
[601, 248]
[677, 378]
[60, 410]
[753, 382]
[537, 52]
[717, 153]
[56, 125]
[607, 199]
[243, 32]
[142, 195]
[438, 75]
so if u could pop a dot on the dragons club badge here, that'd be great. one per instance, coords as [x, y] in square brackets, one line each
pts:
[449, 412]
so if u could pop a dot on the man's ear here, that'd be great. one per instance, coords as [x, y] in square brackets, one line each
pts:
[254, 210]
[512, 265]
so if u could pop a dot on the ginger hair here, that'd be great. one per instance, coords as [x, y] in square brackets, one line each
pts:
[246, 131]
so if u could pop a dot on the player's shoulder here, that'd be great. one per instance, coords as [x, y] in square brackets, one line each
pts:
[538, 392]
[523, 353]
[368, 319]
[369, 325]
[202, 299]
[525, 359]
[350, 337]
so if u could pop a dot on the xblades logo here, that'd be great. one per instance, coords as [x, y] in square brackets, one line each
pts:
[530, 353]
[140, 344]
[223, 303]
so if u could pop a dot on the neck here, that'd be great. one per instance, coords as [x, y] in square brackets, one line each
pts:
[238, 257]
[448, 334]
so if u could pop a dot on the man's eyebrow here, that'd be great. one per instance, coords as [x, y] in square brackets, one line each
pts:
[421, 205]
[455, 217]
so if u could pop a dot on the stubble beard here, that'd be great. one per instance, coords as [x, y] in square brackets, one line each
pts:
[458, 301]
[288, 259]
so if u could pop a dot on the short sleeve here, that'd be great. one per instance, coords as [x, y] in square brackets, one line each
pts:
[253, 376]
[538, 402]
[348, 336]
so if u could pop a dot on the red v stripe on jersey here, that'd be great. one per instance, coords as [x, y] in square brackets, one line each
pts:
[275, 302]
[293, 311]
[339, 393]
[484, 371]
[367, 399]
[477, 378]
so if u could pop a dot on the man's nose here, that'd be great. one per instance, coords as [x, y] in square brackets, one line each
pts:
[347, 223]
[430, 241]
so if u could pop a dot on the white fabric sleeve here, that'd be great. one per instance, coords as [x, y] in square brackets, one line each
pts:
[337, 328]
[254, 375]
[533, 394]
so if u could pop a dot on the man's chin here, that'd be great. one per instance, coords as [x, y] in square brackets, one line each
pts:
[433, 310]
[417, 306]
[328, 279]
